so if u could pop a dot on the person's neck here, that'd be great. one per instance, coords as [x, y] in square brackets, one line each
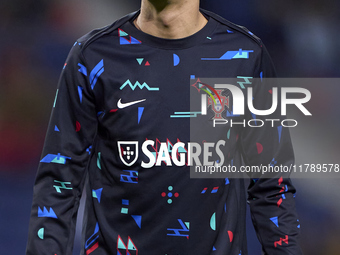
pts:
[170, 19]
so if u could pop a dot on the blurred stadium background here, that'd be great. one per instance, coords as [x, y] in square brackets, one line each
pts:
[36, 35]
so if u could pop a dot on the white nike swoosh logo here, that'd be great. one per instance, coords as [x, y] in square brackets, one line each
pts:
[123, 105]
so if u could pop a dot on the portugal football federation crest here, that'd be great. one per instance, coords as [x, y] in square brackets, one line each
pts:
[219, 106]
[128, 152]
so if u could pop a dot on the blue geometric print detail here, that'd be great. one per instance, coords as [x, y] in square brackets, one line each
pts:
[254, 118]
[125, 202]
[88, 150]
[232, 55]
[275, 221]
[214, 190]
[124, 41]
[97, 193]
[96, 72]
[56, 128]
[94, 237]
[273, 162]
[82, 69]
[140, 113]
[231, 114]
[52, 158]
[138, 220]
[176, 231]
[176, 59]
[279, 130]
[226, 181]
[131, 178]
[46, 213]
[80, 92]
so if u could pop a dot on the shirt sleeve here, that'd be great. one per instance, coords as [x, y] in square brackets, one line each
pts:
[270, 196]
[62, 169]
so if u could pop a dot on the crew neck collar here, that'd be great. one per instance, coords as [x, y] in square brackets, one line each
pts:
[164, 43]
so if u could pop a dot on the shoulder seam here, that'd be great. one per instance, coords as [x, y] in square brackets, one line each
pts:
[105, 30]
[239, 28]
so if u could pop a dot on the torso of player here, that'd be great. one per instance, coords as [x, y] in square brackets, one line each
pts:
[149, 99]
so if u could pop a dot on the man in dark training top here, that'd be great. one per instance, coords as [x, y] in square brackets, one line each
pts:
[120, 129]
